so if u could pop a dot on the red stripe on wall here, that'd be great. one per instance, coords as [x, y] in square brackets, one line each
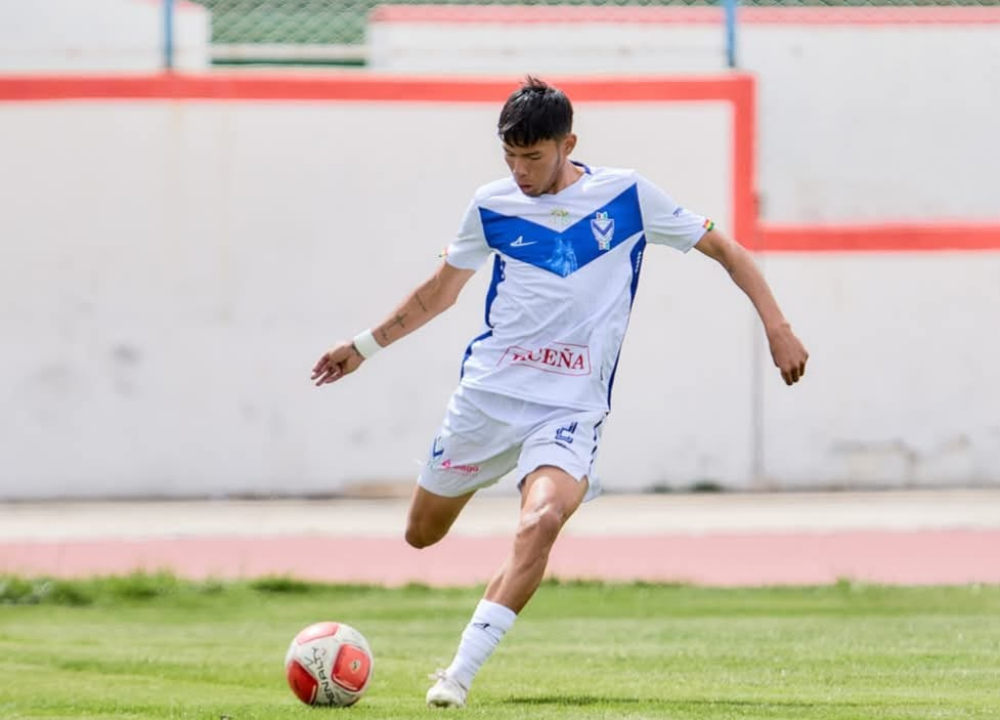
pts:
[895, 237]
[552, 14]
[179, 5]
[248, 87]
[347, 86]
[885, 15]
[679, 15]
[745, 160]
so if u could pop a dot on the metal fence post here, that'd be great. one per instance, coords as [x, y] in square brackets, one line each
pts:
[168, 35]
[730, 7]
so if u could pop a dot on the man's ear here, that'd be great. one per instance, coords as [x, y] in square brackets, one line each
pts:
[569, 142]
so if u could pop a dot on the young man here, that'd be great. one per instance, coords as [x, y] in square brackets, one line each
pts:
[535, 387]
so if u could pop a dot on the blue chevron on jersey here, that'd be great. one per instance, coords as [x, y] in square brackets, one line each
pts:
[565, 251]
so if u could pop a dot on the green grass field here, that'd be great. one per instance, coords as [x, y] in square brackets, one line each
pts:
[156, 647]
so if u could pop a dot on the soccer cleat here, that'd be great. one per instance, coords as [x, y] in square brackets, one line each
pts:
[446, 692]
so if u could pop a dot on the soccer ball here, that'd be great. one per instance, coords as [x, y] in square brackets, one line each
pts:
[329, 663]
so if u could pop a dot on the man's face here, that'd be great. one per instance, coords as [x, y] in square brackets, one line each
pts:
[536, 167]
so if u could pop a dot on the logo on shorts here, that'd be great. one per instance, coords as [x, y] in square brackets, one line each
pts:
[560, 358]
[603, 228]
[470, 469]
[437, 450]
[565, 433]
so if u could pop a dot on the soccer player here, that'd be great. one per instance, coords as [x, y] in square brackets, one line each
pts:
[567, 242]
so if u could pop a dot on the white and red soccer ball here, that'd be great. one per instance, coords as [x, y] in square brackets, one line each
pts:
[329, 663]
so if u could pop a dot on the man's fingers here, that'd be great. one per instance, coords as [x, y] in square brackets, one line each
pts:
[322, 364]
[326, 364]
[329, 376]
[322, 369]
[335, 364]
[789, 357]
[320, 372]
[794, 373]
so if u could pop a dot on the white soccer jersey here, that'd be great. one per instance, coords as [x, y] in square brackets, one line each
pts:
[565, 273]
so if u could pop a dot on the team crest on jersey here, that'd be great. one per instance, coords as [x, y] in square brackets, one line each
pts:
[561, 216]
[603, 228]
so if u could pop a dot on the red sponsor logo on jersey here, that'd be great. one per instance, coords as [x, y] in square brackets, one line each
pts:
[471, 469]
[561, 358]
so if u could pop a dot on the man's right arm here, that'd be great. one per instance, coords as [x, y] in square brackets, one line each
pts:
[430, 299]
[433, 297]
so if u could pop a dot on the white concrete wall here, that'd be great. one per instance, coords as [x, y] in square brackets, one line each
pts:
[172, 270]
[859, 120]
[903, 387]
[862, 124]
[596, 47]
[73, 36]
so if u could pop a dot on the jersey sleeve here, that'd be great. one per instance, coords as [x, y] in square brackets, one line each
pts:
[468, 251]
[666, 222]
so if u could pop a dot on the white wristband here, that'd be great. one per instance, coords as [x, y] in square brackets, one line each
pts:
[366, 344]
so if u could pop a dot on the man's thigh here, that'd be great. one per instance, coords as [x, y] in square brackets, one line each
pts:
[431, 516]
[472, 449]
[569, 443]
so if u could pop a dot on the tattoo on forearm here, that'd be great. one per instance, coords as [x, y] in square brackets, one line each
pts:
[400, 320]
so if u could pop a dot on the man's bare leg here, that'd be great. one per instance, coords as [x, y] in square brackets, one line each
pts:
[548, 498]
[431, 516]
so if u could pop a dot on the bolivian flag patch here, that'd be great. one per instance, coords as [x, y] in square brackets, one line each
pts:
[708, 225]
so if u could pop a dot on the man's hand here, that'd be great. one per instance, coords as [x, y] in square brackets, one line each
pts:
[430, 299]
[788, 353]
[336, 362]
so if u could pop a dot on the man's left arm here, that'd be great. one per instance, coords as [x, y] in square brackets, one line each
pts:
[786, 349]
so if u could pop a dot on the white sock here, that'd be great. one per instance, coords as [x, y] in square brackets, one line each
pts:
[483, 633]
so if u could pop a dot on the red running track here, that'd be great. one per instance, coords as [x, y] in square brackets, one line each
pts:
[738, 559]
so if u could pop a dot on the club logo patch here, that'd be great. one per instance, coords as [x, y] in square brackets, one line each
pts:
[603, 228]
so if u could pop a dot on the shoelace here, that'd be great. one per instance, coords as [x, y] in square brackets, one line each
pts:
[438, 674]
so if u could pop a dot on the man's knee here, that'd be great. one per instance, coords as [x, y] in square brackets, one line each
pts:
[421, 536]
[542, 524]
[431, 516]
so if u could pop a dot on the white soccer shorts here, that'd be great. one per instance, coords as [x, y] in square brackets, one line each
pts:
[485, 435]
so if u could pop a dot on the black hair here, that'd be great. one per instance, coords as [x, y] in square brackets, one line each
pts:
[534, 112]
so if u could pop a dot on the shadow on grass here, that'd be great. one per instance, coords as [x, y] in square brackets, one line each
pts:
[577, 700]
[585, 700]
